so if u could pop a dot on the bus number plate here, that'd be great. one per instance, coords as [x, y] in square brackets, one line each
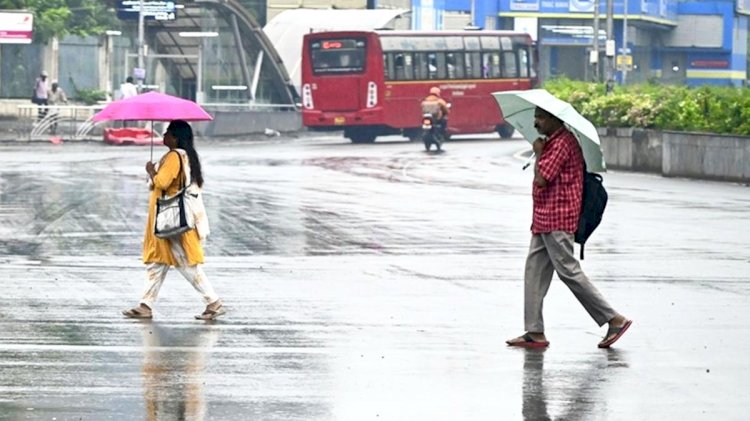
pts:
[339, 120]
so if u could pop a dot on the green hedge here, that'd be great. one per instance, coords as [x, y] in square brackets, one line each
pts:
[706, 109]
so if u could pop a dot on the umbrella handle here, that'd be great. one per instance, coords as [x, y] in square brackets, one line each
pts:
[528, 161]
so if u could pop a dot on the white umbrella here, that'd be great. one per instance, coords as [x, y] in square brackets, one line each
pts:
[518, 110]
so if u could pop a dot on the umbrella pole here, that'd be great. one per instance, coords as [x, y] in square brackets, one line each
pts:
[528, 161]
[152, 142]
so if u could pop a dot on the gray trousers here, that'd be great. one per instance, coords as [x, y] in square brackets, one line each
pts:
[553, 252]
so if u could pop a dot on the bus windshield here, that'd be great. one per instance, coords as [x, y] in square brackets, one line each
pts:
[338, 56]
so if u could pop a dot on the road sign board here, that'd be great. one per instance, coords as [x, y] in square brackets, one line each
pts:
[152, 10]
[624, 62]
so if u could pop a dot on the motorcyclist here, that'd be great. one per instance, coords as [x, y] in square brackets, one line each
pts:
[434, 104]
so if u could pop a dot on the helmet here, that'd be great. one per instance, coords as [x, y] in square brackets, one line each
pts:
[44, 73]
[435, 91]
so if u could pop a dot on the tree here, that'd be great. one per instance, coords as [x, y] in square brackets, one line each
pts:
[57, 18]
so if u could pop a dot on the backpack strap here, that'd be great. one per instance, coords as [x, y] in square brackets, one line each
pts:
[583, 181]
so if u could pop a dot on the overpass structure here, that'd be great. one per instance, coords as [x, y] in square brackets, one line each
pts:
[216, 52]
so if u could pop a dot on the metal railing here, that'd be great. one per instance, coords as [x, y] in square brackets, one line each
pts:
[71, 122]
[74, 122]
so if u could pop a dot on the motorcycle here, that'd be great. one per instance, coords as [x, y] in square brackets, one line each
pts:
[431, 133]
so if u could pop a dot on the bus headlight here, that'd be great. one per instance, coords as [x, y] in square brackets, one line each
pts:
[307, 99]
[372, 94]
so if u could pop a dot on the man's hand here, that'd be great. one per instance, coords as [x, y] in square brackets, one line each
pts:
[538, 147]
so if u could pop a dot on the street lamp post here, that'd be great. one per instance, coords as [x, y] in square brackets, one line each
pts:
[594, 59]
[199, 68]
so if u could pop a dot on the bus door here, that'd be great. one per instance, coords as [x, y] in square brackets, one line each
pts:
[525, 58]
[338, 65]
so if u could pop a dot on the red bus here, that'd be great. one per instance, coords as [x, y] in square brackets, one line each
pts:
[370, 83]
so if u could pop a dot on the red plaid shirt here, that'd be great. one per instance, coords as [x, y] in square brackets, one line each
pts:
[557, 206]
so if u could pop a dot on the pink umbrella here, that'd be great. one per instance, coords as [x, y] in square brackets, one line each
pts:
[153, 106]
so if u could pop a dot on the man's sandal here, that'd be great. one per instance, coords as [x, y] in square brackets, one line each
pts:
[211, 314]
[527, 342]
[138, 313]
[613, 334]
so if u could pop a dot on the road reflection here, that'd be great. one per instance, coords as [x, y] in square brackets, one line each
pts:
[576, 391]
[534, 393]
[174, 370]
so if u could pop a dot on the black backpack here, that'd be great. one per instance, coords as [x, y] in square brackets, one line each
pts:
[592, 206]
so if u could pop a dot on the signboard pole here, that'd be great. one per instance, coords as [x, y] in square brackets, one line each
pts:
[597, 79]
[625, 41]
[610, 54]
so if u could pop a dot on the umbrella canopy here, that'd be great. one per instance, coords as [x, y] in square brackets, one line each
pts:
[153, 106]
[518, 110]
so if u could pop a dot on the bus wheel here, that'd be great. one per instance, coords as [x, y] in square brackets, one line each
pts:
[505, 131]
[360, 135]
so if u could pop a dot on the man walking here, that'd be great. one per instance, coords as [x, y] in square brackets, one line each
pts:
[41, 91]
[557, 194]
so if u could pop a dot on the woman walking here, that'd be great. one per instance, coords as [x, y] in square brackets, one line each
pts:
[184, 252]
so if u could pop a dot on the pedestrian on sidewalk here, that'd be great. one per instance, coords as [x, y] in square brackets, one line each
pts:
[56, 96]
[41, 92]
[127, 90]
[185, 252]
[557, 194]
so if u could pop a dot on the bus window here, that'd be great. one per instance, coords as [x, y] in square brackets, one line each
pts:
[338, 56]
[436, 65]
[473, 66]
[472, 43]
[421, 66]
[509, 64]
[523, 62]
[398, 66]
[525, 59]
[388, 71]
[403, 66]
[491, 65]
[455, 64]
[490, 43]
[408, 69]
[441, 71]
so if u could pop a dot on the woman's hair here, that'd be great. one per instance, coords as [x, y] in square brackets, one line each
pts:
[182, 131]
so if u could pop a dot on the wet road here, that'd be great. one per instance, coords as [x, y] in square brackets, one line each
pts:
[363, 282]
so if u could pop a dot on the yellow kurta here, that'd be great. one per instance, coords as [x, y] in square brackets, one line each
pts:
[156, 250]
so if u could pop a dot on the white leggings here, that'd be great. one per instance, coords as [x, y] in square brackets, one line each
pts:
[157, 272]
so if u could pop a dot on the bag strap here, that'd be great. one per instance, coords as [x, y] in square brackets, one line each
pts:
[182, 173]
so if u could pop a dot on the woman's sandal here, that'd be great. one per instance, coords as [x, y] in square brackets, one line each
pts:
[211, 314]
[138, 313]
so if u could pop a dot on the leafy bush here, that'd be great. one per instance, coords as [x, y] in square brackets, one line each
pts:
[90, 96]
[712, 109]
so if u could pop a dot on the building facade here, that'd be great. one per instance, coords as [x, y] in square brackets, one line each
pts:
[693, 42]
